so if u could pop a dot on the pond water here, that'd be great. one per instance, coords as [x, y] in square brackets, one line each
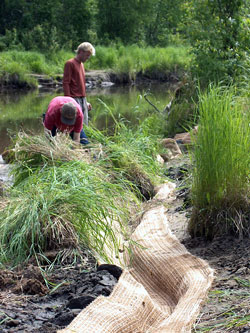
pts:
[24, 110]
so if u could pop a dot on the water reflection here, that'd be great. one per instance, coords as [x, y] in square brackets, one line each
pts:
[24, 111]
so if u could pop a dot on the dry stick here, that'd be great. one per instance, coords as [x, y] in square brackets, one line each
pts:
[166, 109]
[146, 98]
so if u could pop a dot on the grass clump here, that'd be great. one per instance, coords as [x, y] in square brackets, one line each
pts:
[61, 202]
[64, 196]
[220, 190]
[132, 154]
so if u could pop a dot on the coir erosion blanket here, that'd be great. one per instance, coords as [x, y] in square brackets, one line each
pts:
[160, 291]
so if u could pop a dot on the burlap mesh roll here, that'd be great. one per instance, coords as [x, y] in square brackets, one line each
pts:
[161, 291]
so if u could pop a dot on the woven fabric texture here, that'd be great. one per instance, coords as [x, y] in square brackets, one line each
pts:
[160, 291]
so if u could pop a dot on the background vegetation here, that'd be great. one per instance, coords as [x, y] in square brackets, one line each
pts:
[216, 32]
[127, 62]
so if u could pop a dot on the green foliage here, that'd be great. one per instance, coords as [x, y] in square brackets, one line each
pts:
[10, 41]
[42, 38]
[219, 31]
[218, 42]
[221, 164]
[72, 198]
[163, 26]
[125, 61]
[59, 199]
[122, 20]
[41, 25]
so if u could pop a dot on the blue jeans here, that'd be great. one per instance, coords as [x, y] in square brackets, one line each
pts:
[83, 136]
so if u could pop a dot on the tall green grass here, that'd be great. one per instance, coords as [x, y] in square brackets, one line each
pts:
[221, 160]
[61, 202]
[129, 61]
[14, 70]
[155, 62]
[69, 205]
[33, 62]
[132, 152]
[15, 66]
[64, 197]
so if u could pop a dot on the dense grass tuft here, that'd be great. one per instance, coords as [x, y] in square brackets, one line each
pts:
[220, 190]
[68, 197]
[59, 202]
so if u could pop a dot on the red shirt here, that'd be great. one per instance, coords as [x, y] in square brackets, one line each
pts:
[74, 79]
[53, 115]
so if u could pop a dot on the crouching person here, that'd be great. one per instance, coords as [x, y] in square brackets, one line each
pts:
[65, 115]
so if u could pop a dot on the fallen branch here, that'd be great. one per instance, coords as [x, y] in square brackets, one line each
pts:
[167, 108]
[146, 98]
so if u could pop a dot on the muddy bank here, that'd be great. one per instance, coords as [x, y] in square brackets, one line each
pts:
[45, 82]
[34, 302]
[94, 79]
[228, 304]
[104, 79]
[10, 82]
[30, 304]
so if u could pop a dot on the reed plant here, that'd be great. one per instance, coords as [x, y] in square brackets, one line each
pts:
[220, 189]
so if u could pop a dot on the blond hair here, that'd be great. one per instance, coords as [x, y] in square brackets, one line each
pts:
[86, 46]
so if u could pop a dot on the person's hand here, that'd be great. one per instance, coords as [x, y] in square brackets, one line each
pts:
[89, 106]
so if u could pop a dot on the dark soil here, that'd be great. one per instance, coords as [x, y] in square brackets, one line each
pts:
[29, 304]
[227, 308]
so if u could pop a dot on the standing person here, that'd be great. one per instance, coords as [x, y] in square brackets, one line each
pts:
[74, 84]
[65, 115]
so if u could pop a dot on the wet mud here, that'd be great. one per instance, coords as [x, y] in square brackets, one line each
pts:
[35, 300]
[32, 302]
